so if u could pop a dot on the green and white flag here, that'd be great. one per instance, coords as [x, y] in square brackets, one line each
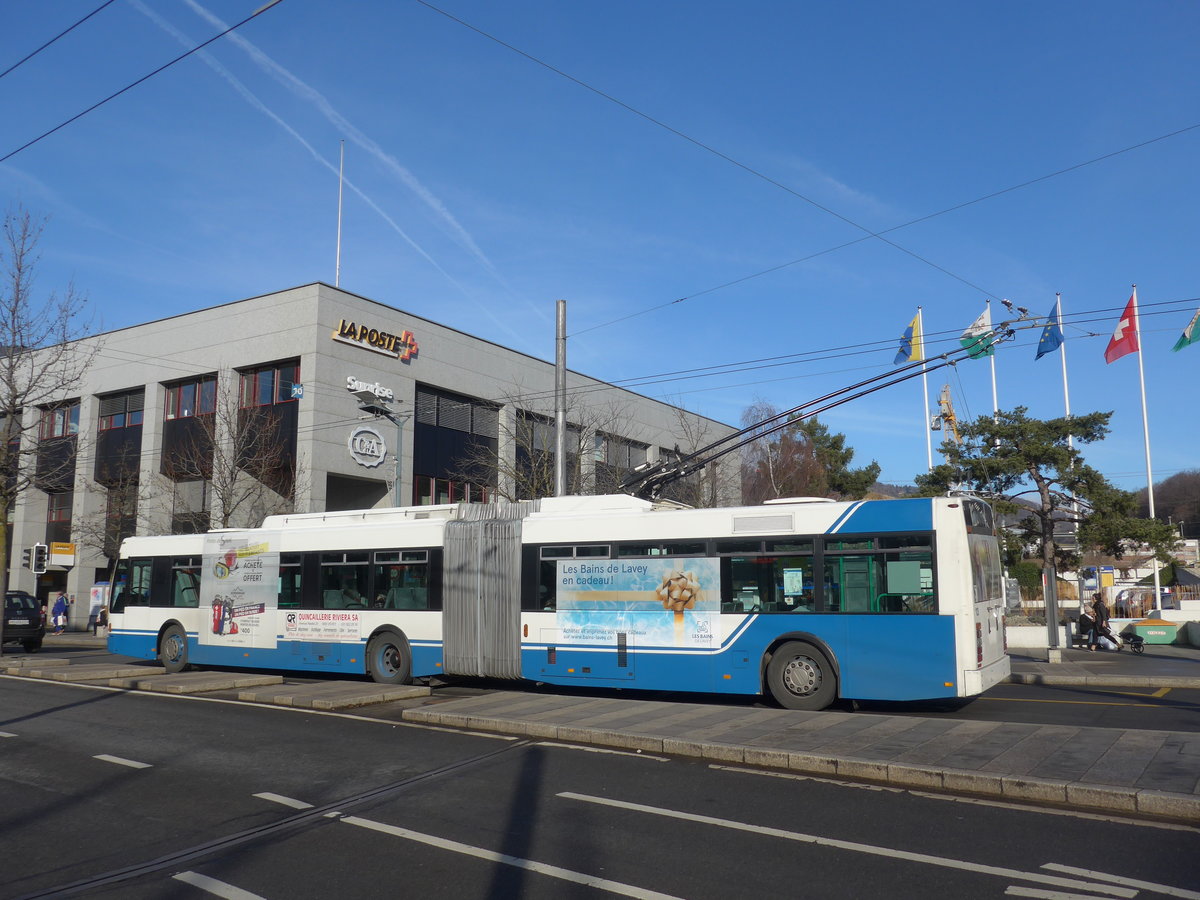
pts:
[977, 339]
[1191, 334]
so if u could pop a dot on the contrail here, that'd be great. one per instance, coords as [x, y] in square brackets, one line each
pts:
[290, 81]
[258, 104]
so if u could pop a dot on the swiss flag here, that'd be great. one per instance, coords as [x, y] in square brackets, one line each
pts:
[1124, 339]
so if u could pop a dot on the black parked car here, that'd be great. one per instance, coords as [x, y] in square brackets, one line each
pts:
[23, 620]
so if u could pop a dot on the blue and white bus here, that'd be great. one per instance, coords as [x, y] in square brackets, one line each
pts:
[805, 600]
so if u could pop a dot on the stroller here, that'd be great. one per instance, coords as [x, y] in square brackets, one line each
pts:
[1134, 641]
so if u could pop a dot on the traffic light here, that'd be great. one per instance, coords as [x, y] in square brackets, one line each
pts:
[41, 558]
[27, 557]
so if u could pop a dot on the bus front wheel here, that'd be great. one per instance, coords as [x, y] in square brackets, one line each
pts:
[800, 676]
[173, 649]
[388, 660]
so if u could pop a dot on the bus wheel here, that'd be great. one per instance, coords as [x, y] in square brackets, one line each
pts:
[173, 649]
[387, 659]
[800, 677]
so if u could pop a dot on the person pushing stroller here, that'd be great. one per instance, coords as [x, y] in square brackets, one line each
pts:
[1099, 625]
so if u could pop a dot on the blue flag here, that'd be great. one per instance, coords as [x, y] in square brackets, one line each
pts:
[1052, 336]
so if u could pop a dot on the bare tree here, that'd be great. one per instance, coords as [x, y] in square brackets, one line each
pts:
[801, 459]
[522, 465]
[117, 493]
[232, 467]
[42, 363]
[717, 484]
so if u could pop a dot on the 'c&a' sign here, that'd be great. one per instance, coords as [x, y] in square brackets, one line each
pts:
[367, 446]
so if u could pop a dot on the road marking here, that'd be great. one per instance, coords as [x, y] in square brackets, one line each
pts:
[953, 798]
[285, 801]
[4, 734]
[613, 887]
[1129, 882]
[636, 754]
[214, 887]
[132, 763]
[1161, 692]
[1081, 702]
[854, 846]
[1014, 891]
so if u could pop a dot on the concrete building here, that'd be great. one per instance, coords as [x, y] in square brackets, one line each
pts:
[221, 416]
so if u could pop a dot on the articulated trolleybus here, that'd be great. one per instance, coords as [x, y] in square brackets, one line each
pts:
[806, 600]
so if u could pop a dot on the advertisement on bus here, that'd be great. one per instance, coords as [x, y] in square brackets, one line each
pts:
[661, 602]
[238, 587]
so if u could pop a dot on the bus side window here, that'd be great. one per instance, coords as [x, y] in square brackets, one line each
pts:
[134, 589]
[289, 580]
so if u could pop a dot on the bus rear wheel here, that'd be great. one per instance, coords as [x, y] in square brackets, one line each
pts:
[388, 660]
[799, 676]
[173, 649]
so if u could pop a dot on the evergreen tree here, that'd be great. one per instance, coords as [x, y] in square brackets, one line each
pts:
[1012, 456]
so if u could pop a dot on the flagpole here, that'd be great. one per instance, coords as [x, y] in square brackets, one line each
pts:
[1137, 330]
[337, 272]
[925, 389]
[1063, 349]
[992, 360]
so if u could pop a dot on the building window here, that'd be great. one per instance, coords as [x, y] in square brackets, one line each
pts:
[191, 398]
[268, 385]
[428, 490]
[122, 410]
[191, 507]
[58, 517]
[60, 421]
[615, 458]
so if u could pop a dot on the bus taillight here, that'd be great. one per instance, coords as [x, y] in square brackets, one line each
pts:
[979, 644]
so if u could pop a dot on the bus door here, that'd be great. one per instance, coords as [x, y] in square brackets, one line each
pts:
[481, 584]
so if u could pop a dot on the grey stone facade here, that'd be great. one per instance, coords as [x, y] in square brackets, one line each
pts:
[335, 337]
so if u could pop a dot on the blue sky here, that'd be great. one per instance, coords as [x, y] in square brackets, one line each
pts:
[482, 185]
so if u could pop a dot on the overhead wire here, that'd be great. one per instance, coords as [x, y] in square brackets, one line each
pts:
[63, 33]
[869, 234]
[258, 12]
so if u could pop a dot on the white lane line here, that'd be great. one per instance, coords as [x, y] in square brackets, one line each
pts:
[1128, 882]
[214, 887]
[1039, 894]
[613, 887]
[952, 798]
[4, 734]
[285, 801]
[636, 754]
[855, 847]
[132, 763]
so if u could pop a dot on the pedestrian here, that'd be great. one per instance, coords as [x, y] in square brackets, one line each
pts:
[1100, 620]
[94, 612]
[1087, 626]
[59, 612]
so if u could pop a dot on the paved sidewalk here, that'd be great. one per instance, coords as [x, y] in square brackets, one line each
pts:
[1153, 773]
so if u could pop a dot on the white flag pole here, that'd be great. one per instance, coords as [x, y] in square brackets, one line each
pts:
[992, 360]
[925, 389]
[1063, 349]
[337, 272]
[1137, 331]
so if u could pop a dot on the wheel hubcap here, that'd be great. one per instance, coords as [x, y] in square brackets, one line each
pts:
[389, 659]
[802, 676]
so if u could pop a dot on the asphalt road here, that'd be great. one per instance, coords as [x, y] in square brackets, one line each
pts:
[144, 796]
[1166, 709]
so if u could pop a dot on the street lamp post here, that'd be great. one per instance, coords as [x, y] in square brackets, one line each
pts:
[373, 405]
